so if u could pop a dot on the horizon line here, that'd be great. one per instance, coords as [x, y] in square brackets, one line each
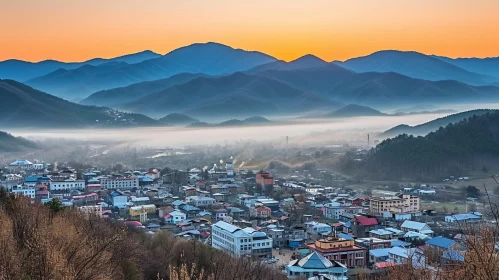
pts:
[235, 48]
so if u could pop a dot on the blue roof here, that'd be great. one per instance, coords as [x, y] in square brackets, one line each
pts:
[348, 224]
[441, 242]
[462, 217]
[380, 231]
[399, 243]
[453, 255]
[190, 208]
[377, 253]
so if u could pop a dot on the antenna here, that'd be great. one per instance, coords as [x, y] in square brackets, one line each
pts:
[368, 140]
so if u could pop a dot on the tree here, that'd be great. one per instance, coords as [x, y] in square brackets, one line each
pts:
[484, 169]
[472, 191]
[55, 205]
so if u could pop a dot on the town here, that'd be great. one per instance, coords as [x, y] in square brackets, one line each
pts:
[311, 223]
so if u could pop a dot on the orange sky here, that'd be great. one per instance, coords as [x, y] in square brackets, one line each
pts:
[76, 30]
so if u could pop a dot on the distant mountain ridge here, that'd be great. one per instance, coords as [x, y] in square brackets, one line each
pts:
[434, 125]
[354, 110]
[25, 107]
[256, 120]
[122, 95]
[22, 71]
[236, 95]
[177, 119]
[304, 62]
[485, 66]
[208, 58]
[415, 65]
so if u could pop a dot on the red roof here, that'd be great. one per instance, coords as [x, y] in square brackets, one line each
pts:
[133, 223]
[365, 221]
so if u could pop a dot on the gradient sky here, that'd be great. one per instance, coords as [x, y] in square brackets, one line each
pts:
[76, 30]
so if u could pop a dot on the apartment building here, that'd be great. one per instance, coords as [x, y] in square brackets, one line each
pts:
[24, 191]
[240, 242]
[403, 203]
[91, 210]
[67, 185]
[119, 183]
[334, 210]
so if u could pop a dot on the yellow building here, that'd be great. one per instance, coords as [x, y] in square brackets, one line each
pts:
[139, 210]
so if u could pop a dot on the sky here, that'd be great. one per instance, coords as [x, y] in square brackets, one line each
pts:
[77, 30]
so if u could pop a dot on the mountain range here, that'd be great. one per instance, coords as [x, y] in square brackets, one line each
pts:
[21, 71]
[485, 66]
[415, 65]
[354, 110]
[208, 58]
[255, 120]
[434, 125]
[25, 107]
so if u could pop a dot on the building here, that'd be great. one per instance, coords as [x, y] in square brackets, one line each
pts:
[200, 201]
[373, 243]
[239, 242]
[91, 210]
[411, 226]
[381, 234]
[117, 199]
[379, 255]
[403, 203]
[119, 183]
[21, 163]
[67, 185]
[263, 178]
[220, 214]
[315, 264]
[441, 243]
[136, 211]
[464, 218]
[153, 174]
[268, 202]
[24, 191]
[282, 237]
[175, 217]
[261, 212]
[360, 226]
[340, 250]
[335, 209]
[318, 228]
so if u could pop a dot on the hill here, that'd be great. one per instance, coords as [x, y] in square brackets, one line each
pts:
[256, 120]
[9, 143]
[21, 71]
[233, 122]
[354, 110]
[236, 95]
[23, 106]
[177, 119]
[434, 125]
[122, 95]
[304, 62]
[208, 58]
[386, 90]
[415, 65]
[485, 66]
[456, 149]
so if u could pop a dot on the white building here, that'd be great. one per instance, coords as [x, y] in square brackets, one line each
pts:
[24, 191]
[119, 183]
[175, 217]
[334, 210]
[418, 227]
[318, 228]
[239, 241]
[200, 201]
[91, 210]
[67, 185]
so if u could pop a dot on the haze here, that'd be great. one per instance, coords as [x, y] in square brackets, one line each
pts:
[324, 131]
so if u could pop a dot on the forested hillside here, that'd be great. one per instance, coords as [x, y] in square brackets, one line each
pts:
[453, 150]
[9, 143]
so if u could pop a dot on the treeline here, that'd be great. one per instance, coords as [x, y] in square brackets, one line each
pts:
[48, 242]
[453, 150]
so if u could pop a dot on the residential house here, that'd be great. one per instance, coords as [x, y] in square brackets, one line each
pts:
[379, 255]
[117, 199]
[318, 228]
[119, 183]
[341, 250]
[175, 217]
[464, 218]
[91, 210]
[362, 225]
[381, 234]
[315, 264]
[371, 243]
[29, 192]
[220, 214]
[289, 237]
[418, 227]
[335, 209]
[441, 243]
[260, 212]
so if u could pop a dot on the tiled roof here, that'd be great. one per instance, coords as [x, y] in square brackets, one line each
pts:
[315, 261]
[365, 221]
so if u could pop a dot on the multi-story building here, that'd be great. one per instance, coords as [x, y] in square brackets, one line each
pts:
[240, 242]
[403, 203]
[335, 209]
[119, 183]
[260, 211]
[66, 185]
[200, 201]
[264, 179]
[24, 191]
[340, 250]
[287, 236]
[91, 210]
